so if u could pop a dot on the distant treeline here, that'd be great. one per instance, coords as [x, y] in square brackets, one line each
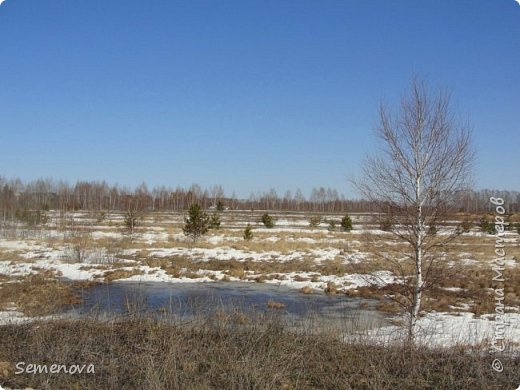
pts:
[17, 197]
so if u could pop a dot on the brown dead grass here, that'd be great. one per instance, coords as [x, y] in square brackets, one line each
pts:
[331, 288]
[272, 304]
[13, 256]
[306, 290]
[112, 275]
[476, 291]
[38, 295]
[223, 353]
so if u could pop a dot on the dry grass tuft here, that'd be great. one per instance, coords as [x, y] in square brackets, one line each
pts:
[272, 304]
[306, 290]
[331, 288]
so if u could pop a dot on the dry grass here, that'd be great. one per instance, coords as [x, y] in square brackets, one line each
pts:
[37, 295]
[116, 274]
[331, 288]
[475, 290]
[282, 246]
[272, 304]
[230, 350]
[299, 278]
[306, 290]
[13, 256]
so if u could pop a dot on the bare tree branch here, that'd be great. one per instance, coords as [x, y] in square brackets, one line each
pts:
[424, 162]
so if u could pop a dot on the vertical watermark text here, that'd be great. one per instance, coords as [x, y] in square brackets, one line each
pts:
[498, 263]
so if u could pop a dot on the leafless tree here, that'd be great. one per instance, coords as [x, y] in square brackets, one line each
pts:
[217, 193]
[424, 162]
[132, 218]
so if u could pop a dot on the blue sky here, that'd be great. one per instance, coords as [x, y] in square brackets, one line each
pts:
[246, 94]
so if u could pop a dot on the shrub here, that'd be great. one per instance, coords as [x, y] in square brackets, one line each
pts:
[386, 225]
[466, 226]
[32, 217]
[131, 219]
[487, 226]
[197, 222]
[332, 225]
[346, 223]
[248, 232]
[315, 221]
[220, 206]
[214, 221]
[514, 227]
[267, 220]
[101, 216]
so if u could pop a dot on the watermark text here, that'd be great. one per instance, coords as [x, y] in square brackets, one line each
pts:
[72, 369]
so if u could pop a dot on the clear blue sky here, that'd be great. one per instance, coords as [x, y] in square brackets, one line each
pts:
[246, 94]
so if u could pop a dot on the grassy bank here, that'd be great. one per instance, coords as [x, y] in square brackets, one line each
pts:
[219, 352]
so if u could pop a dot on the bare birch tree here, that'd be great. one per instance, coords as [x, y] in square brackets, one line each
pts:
[424, 162]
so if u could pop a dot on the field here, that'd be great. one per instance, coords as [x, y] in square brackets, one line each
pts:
[43, 268]
[86, 248]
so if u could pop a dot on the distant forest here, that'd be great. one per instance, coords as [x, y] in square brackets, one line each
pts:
[17, 196]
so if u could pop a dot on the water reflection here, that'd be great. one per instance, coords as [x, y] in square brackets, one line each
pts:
[185, 300]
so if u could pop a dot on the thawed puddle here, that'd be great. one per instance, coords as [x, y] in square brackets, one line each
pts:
[188, 300]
